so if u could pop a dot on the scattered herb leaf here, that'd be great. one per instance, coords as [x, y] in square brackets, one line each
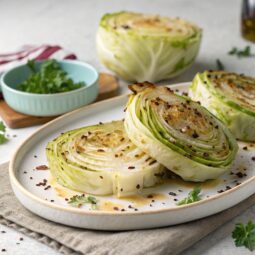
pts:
[192, 197]
[3, 138]
[220, 65]
[246, 52]
[51, 78]
[79, 200]
[244, 235]
[2, 127]
[233, 51]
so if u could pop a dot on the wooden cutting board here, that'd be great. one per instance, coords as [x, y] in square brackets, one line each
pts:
[108, 87]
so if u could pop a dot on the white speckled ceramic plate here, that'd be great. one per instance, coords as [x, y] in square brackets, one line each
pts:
[155, 208]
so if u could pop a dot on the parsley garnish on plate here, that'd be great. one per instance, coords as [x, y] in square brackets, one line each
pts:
[3, 138]
[79, 200]
[192, 197]
[244, 235]
[51, 78]
[246, 52]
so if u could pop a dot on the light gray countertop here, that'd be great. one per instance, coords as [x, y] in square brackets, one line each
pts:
[73, 25]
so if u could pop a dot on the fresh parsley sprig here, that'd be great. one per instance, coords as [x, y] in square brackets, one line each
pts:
[51, 78]
[192, 197]
[79, 200]
[244, 235]
[3, 138]
[240, 53]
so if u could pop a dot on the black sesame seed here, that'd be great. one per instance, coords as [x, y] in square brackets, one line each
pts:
[206, 155]
[240, 175]
[125, 26]
[152, 162]
[195, 135]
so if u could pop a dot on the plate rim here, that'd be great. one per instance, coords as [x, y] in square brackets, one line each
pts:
[15, 182]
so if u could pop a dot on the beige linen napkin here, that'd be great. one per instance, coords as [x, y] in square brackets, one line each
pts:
[169, 240]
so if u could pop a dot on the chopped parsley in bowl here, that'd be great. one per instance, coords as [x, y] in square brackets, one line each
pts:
[49, 87]
[49, 79]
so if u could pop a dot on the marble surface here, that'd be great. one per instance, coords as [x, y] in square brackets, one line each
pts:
[73, 25]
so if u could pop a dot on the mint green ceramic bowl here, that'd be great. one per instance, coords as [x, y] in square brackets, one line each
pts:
[50, 104]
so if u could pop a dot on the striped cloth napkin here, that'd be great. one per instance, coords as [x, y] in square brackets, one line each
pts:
[41, 52]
